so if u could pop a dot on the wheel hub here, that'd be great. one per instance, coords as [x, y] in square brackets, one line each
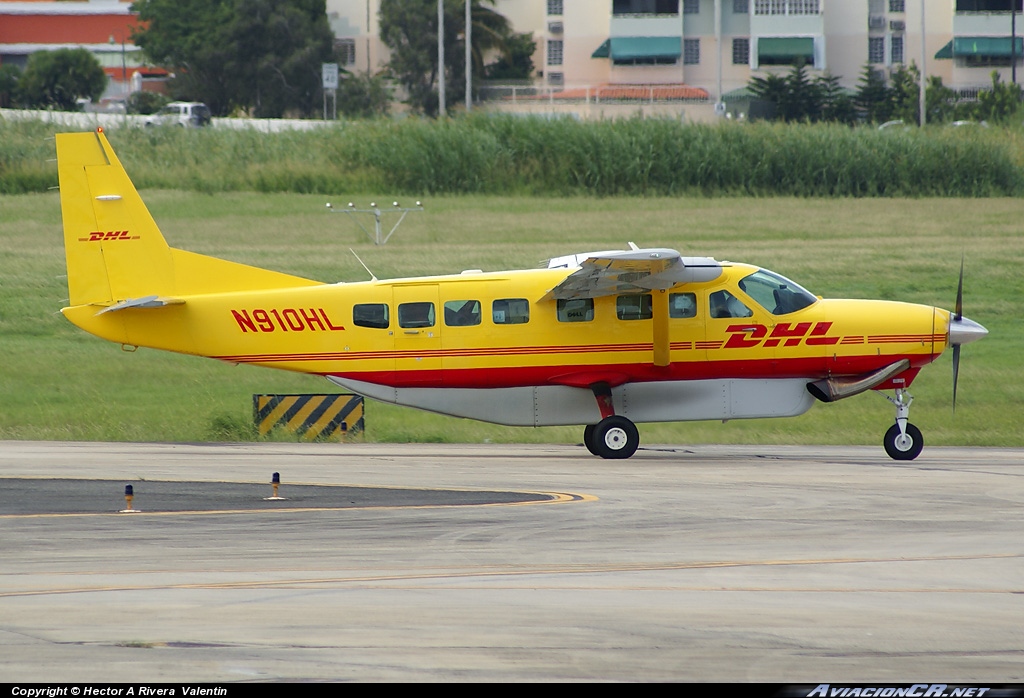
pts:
[615, 438]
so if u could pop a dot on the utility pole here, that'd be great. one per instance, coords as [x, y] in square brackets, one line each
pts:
[469, 56]
[924, 73]
[441, 110]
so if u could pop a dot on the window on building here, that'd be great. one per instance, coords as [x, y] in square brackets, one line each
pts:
[578, 310]
[461, 313]
[682, 305]
[741, 51]
[510, 311]
[634, 307]
[691, 7]
[787, 7]
[876, 49]
[370, 315]
[804, 7]
[987, 5]
[554, 7]
[645, 7]
[554, 52]
[413, 315]
[897, 48]
[691, 51]
[556, 78]
[897, 6]
[346, 49]
[741, 7]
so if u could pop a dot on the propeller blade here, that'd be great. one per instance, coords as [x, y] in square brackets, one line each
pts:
[959, 309]
[956, 372]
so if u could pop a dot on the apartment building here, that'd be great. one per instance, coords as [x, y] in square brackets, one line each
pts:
[718, 45]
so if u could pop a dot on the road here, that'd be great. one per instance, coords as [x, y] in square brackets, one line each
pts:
[509, 563]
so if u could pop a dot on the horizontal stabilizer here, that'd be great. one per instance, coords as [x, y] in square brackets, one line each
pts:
[144, 302]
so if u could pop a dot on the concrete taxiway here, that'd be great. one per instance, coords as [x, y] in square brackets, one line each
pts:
[507, 563]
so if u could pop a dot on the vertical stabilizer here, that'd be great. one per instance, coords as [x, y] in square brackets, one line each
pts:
[113, 246]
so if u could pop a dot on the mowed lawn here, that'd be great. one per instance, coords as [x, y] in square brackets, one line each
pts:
[60, 383]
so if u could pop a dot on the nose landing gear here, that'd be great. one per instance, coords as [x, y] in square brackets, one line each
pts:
[903, 441]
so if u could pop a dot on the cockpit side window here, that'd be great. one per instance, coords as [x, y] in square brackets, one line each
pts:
[723, 304]
[776, 294]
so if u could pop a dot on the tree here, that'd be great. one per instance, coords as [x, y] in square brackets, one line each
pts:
[145, 102]
[364, 95]
[516, 62]
[263, 55]
[1000, 103]
[9, 78]
[57, 79]
[409, 29]
[905, 94]
[872, 98]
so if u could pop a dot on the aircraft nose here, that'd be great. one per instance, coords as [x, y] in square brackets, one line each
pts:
[964, 331]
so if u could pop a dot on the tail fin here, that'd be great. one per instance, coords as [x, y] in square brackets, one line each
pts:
[115, 250]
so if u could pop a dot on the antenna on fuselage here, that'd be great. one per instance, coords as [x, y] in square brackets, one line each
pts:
[372, 277]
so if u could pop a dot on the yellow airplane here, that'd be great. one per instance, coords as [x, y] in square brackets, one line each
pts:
[605, 339]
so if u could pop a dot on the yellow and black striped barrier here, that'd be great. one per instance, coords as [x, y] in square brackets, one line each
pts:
[310, 417]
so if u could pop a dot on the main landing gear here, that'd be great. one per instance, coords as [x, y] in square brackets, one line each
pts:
[903, 441]
[614, 436]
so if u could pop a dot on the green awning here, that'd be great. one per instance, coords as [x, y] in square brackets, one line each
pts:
[627, 48]
[784, 48]
[989, 46]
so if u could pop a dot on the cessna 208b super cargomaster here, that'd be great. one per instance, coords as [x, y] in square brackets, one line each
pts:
[604, 339]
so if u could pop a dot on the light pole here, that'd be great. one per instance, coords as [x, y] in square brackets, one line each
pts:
[440, 58]
[469, 56]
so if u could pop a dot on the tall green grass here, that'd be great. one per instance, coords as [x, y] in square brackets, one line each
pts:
[501, 154]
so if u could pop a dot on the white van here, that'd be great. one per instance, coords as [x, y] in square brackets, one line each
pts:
[189, 114]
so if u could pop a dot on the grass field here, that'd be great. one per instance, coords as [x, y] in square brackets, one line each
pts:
[59, 383]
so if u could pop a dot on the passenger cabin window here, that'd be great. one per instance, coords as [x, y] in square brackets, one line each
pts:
[461, 313]
[776, 294]
[636, 307]
[373, 315]
[723, 305]
[682, 305]
[413, 315]
[578, 310]
[510, 311]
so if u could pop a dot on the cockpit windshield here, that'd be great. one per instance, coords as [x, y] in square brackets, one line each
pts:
[776, 294]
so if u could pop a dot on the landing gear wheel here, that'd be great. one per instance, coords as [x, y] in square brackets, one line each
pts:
[588, 438]
[903, 447]
[614, 437]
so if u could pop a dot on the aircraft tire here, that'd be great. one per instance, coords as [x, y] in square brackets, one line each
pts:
[588, 438]
[615, 437]
[899, 447]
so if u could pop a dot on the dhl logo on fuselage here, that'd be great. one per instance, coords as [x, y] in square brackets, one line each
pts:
[109, 235]
[785, 333]
[285, 320]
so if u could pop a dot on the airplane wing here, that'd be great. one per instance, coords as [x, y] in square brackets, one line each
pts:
[629, 271]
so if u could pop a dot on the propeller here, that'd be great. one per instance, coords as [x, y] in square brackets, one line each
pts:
[961, 330]
[958, 316]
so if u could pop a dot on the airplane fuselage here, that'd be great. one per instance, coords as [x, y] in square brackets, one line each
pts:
[430, 342]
